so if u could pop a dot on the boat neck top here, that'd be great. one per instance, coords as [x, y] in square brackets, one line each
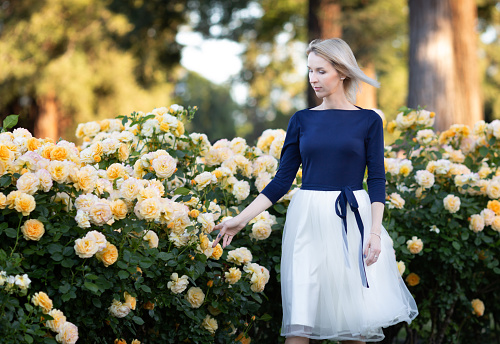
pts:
[334, 146]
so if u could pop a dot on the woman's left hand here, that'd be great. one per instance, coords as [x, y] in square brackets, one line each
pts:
[372, 250]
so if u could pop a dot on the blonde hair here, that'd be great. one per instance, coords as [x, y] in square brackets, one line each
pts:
[339, 54]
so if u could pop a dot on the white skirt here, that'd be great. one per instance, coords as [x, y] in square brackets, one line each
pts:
[322, 292]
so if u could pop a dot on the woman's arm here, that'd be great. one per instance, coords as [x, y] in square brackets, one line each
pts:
[231, 227]
[373, 248]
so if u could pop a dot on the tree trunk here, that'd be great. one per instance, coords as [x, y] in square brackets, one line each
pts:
[47, 124]
[323, 22]
[440, 58]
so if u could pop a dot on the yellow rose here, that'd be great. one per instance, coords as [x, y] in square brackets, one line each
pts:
[28, 183]
[33, 230]
[415, 245]
[58, 153]
[33, 144]
[68, 333]
[3, 201]
[195, 297]
[148, 209]
[123, 152]
[478, 307]
[130, 300]
[239, 256]
[217, 252]
[261, 230]
[412, 279]
[25, 204]
[11, 198]
[194, 213]
[493, 189]
[100, 213]
[179, 131]
[451, 203]
[396, 201]
[494, 205]
[391, 126]
[476, 223]
[152, 238]
[401, 267]
[120, 341]
[233, 275]
[85, 247]
[259, 282]
[210, 324]
[86, 180]
[58, 171]
[5, 154]
[495, 225]
[136, 341]
[59, 320]
[164, 166]
[115, 171]
[207, 222]
[43, 301]
[109, 255]
[118, 209]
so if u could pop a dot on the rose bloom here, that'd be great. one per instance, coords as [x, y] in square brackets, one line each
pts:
[86, 179]
[115, 171]
[476, 223]
[118, 309]
[401, 267]
[25, 204]
[86, 247]
[130, 301]
[118, 209]
[277, 146]
[85, 202]
[99, 239]
[68, 333]
[178, 284]
[58, 153]
[100, 213]
[3, 201]
[41, 299]
[478, 307]
[488, 216]
[152, 238]
[412, 279]
[238, 145]
[59, 320]
[28, 183]
[148, 209]
[136, 341]
[415, 245]
[233, 275]
[164, 166]
[207, 222]
[451, 203]
[65, 199]
[59, 171]
[210, 324]
[109, 255]
[239, 256]
[217, 252]
[493, 189]
[204, 179]
[241, 190]
[129, 189]
[123, 152]
[261, 230]
[424, 178]
[82, 218]
[33, 230]
[494, 206]
[396, 201]
[195, 297]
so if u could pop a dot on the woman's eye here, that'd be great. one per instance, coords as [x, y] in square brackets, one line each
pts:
[321, 72]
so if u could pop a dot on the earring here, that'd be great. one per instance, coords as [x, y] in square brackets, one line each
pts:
[342, 78]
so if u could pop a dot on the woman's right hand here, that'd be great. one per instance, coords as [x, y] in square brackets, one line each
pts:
[228, 229]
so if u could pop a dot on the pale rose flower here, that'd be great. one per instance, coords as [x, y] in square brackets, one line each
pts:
[493, 189]
[164, 166]
[239, 256]
[24, 204]
[241, 190]
[425, 136]
[99, 239]
[179, 240]
[91, 128]
[11, 198]
[478, 307]
[207, 222]
[468, 145]
[264, 163]
[195, 297]
[222, 143]
[33, 230]
[276, 147]
[150, 127]
[3, 201]
[456, 169]
[424, 178]
[493, 128]
[86, 179]
[130, 301]
[476, 223]
[405, 167]
[480, 128]
[28, 183]
[425, 117]
[215, 209]
[210, 324]
[152, 238]
[85, 201]
[414, 245]
[262, 180]
[148, 209]
[118, 309]
[441, 166]
[42, 300]
[205, 246]
[100, 213]
[404, 122]
[59, 171]
[103, 185]
[217, 252]
[86, 247]
[109, 255]
[68, 333]
[59, 319]
[87, 156]
[118, 208]
[392, 166]
[178, 284]
[488, 216]
[495, 225]
[396, 201]
[238, 145]
[204, 179]
[434, 229]
[484, 171]
[451, 203]
[265, 217]
[65, 199]
[129, 189]
[45, 179]
[22, 281]
[401, 267]
[82, 218]
[158, 185]
[261, 230]
[233, 275]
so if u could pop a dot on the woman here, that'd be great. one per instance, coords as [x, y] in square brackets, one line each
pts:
[339, 277]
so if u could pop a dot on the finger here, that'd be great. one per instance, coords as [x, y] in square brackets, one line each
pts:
[225, 241]
[229, 240]
[217, 227]
[219, 236]
[365, 253]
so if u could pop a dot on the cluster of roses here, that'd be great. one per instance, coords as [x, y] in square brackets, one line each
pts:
[67, 333]
[14, 283]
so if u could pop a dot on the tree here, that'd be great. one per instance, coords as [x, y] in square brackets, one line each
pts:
[444, 75]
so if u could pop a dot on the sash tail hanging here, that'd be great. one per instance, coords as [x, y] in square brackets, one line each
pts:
[345, 197]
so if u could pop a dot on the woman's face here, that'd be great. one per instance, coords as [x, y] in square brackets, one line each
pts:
[323, 77]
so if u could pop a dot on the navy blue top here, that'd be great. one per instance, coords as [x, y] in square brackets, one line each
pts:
[334, 147]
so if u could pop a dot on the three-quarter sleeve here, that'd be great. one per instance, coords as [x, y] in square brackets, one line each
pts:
[375, 159]
[290, 161]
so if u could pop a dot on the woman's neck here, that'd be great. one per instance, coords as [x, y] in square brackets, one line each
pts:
[336, 101]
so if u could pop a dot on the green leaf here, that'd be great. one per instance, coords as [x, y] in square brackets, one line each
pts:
[11, 232]
[9, 122]
[456, 245]
[280, 208]
[265, 317]
[68, 263]
[138, 320]
[181, 191]
[96, 302]
[145, 288]
[27, 337]
[91, 286]
[57, 257]
[165, 256]
[5, 180]
[483, 151]
[123, 274]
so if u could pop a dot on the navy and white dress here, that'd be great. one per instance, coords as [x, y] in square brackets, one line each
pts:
[328, 292]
